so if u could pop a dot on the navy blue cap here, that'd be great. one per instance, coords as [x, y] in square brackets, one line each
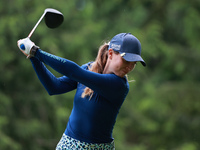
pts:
[128, 46]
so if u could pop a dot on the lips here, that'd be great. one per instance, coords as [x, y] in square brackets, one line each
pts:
[125, 72]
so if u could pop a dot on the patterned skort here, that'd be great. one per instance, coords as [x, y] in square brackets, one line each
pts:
[68, 143]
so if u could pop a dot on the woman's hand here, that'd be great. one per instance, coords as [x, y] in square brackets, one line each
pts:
[25, 45]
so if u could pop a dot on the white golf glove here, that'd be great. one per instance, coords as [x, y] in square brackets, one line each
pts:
[27, 46]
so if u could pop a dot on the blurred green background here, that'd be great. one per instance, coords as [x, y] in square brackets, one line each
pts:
[162, 110]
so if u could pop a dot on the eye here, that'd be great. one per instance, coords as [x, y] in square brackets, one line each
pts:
[135, 63]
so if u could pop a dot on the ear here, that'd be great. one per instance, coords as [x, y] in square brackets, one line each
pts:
[110, 53]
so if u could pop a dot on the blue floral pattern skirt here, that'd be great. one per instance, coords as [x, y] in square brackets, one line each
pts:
[68, 143]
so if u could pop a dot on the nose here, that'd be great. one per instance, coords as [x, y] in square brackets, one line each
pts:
[130, 66]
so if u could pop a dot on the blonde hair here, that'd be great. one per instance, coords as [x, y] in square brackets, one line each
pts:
[97, 66]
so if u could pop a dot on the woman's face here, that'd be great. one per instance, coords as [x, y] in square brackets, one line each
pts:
[119, 66]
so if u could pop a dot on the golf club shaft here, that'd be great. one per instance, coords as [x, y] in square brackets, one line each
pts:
[30, 34]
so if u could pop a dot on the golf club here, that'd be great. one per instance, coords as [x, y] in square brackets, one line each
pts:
[53, 19]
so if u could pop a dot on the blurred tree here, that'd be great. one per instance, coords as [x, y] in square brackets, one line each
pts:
[161, 111]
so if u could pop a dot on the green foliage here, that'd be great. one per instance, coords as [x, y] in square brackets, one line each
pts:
[162, 109]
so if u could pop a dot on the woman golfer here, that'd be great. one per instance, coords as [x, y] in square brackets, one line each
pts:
[101, 88]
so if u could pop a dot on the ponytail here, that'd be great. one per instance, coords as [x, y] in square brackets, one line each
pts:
[97, 66]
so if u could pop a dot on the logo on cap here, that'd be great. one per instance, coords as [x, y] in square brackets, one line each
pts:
[115, 47]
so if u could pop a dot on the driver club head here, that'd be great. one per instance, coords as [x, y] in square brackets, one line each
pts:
[53, 18]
